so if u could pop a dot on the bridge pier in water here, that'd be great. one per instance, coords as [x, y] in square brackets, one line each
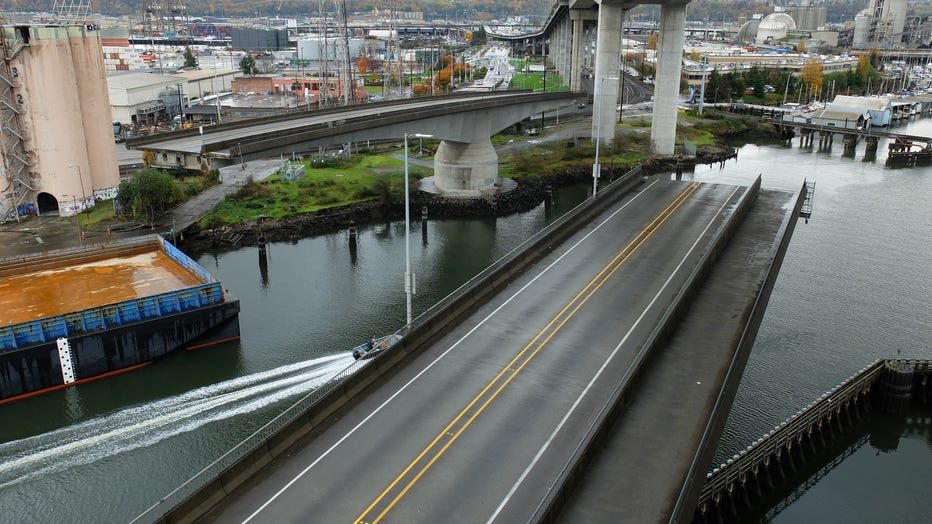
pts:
[464, 169]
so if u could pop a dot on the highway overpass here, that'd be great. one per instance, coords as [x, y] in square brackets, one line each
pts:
[465, 163]
[584, 378]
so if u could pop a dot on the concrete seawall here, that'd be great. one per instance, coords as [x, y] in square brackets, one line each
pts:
[732, 489]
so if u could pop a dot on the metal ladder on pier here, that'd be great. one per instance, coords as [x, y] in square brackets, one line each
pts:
[805, 211]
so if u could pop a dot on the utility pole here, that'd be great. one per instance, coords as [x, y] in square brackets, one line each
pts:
[705, 62]
[180, 103]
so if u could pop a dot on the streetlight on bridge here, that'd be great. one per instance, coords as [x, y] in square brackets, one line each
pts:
[409, 278]
[596, 167]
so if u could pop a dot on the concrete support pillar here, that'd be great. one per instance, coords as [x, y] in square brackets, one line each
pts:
[607, 65]
[568, 50]
[462, 169]
[554, 39]
[579, 38]
[557, 44]
[667, 79]
[562, 46]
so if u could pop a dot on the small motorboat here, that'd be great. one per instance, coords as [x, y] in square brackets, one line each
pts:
[374, 346]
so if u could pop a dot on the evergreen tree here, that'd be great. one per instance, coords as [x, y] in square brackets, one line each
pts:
[189, 59]
[478, 37]
[248, 65]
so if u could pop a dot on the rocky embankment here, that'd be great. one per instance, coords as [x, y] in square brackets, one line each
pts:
[528, 194]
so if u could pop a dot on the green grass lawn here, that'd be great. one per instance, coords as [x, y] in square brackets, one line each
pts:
[535, 81]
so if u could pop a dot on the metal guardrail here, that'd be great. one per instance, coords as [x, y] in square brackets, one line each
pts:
[424, 320]
[793, 429]
[185, 261]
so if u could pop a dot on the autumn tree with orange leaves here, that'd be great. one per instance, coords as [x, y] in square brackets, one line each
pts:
[363, 65]
[812, 75]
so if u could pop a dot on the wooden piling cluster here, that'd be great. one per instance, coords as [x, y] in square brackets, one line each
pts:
[733, 489]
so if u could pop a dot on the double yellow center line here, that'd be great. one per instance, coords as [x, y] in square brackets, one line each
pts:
[438, 446]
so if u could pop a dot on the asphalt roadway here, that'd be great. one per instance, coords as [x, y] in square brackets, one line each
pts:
[477, 427]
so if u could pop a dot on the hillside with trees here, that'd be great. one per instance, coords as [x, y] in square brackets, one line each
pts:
[712, 10]
[467, 9]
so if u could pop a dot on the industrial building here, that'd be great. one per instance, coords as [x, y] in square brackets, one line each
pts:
[141, 100]
[882, 24]
[58, 149]
[259, 39]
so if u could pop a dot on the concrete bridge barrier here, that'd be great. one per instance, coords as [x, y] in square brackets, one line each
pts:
[213, 484]
[575, 468]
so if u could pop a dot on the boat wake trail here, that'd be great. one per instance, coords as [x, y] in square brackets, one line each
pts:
[142, 426]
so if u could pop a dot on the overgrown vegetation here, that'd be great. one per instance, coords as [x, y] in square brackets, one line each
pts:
[151, 191]
[551, 160]
[328, 182]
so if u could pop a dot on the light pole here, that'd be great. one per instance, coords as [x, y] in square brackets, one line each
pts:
[409, 278]
[596, 168]
[83, 196]
[77, 217]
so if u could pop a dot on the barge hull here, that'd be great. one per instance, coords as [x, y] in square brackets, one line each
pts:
[79, 314]
[100, 353]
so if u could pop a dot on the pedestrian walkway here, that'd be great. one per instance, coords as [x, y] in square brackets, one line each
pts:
[232, 178]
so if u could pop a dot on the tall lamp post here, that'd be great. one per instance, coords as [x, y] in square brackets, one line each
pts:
[596, 167]
[409, 278]
[87, 219]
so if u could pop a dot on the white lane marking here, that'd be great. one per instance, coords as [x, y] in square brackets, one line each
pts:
[470, 332]
[605, 364]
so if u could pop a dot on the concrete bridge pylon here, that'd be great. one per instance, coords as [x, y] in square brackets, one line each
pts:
[666, 81]
[667, 78]
[465, 168]
[607, 67]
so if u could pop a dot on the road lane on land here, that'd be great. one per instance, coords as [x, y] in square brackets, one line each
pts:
[480, 424]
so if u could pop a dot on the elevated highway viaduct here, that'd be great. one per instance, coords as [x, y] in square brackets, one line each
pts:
[565, 40]
[465, 163]
[582, 378]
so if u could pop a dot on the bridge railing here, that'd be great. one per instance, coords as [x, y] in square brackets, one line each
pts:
[249, 122]
[196, 495]
[152, 141]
